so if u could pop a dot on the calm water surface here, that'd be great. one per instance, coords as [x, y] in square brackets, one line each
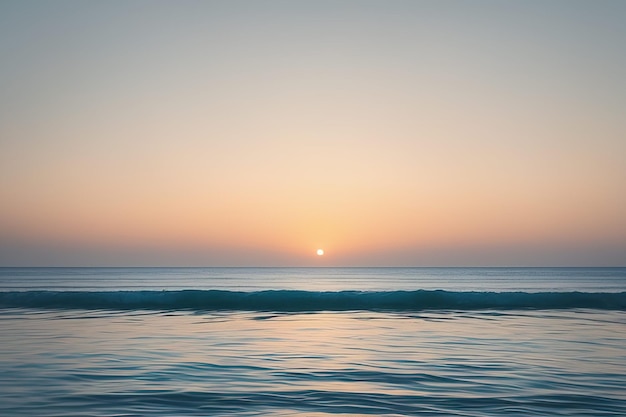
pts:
[422, 342]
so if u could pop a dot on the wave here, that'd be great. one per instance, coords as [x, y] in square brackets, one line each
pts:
[293, 300]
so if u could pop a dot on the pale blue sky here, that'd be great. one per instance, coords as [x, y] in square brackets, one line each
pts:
[254, 132]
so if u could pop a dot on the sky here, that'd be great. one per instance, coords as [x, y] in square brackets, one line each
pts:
[252, 133]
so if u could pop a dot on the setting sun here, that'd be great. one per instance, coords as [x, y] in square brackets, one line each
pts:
[320, 252]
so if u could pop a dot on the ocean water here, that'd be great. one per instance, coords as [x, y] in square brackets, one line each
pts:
[312, 342]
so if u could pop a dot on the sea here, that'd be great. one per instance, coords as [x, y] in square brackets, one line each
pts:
[318, 342]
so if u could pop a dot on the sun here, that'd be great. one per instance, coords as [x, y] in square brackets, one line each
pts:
[320, 252]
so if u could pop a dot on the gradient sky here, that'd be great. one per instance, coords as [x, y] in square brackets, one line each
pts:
[417, 133]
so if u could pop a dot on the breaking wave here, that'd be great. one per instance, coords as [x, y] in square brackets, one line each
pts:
[291, 300]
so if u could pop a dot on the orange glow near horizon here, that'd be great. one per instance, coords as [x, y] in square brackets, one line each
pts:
[377, 138]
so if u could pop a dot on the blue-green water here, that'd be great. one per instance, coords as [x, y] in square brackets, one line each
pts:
[313, 342]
